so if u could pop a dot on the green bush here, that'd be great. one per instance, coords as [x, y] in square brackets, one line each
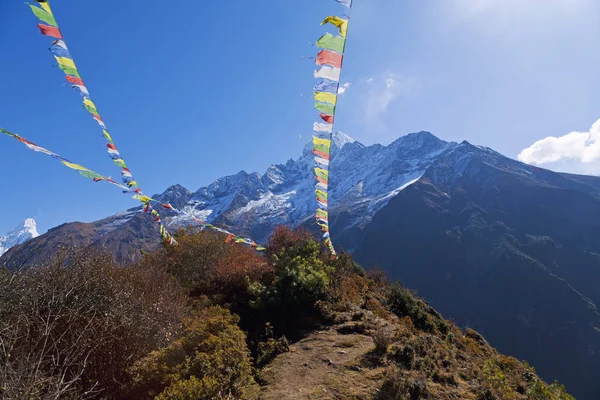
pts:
[301, 276]
[270, 349]
[402, 302]
[209, 360]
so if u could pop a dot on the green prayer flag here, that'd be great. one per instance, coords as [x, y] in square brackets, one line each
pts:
[91, 175]
[120, 163]
[321, 173]
[330, 42]
[91, 109]
[69, 70]
[44, 15]
[325, 108]
[322, 148]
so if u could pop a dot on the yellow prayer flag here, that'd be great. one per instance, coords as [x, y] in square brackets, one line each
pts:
[88, 102]
[46, 6]
[341, 24]
[107, 135]
[67, 62]
[142, 198]
[326, 97]
[74, 166]
[324, 142]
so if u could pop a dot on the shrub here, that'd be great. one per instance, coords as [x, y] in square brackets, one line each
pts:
[396, 386]
[210, 359]
[382, 338]
[72, 327]
[270, 349]
[195, 259]
[301, 277]
[402, 302]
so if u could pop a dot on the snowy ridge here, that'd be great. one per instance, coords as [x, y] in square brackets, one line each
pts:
[362, 181]
[20, 234]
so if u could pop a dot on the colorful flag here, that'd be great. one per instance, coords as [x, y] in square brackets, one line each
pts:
[44, 15]
[69, 70]
[322, 161]
[325, 108]
[75, 80]
[326, 97]
[322, 127]
[341, 24]
[330, 58]
[325, 72]
[330, 42]
[327, 118]
[60, 51]
[50, 31]
[67, 62]
[326, 86]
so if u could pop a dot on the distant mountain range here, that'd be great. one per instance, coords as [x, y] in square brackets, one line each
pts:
[23, 232]
[509, 249]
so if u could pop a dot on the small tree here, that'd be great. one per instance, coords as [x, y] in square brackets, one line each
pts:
[210, 360]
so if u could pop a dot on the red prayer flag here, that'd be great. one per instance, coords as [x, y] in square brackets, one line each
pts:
[321, 154]
[74, 80]
[329, 57]
[327, 118]
[50, 31]
[111, 146]
[321, 180]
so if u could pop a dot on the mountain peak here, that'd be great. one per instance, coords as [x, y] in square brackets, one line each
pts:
[21, 233]
[340, 139]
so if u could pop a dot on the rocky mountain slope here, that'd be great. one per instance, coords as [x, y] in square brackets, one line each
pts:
[510, 250]
[507, 248]
[20, 234]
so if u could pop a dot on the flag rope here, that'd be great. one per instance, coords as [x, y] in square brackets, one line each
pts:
[146, 200]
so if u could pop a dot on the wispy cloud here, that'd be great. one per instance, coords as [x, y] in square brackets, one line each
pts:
[581, 147]
[382, 92]
[343, 88]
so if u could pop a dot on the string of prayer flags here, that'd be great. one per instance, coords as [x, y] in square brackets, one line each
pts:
[65, 62]
[145, 200]
[86, 172]
[330, 59]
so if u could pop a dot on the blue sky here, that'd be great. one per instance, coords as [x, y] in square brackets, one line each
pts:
[198, 90]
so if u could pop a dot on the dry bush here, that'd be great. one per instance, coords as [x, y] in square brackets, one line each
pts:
[382, 338]
[70, 328]
[194, 260]
[285, 238]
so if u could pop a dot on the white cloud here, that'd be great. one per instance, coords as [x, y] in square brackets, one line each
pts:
[583, 147]
[382, 93]
[514, 17]
[343, 88]
[369, 80]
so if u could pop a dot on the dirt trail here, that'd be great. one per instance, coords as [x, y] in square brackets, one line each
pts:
[324, 365]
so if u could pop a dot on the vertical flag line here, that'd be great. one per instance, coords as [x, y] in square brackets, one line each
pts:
[326, 93]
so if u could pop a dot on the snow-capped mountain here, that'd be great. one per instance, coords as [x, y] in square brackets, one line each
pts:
[362, 180]
[23, 232]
